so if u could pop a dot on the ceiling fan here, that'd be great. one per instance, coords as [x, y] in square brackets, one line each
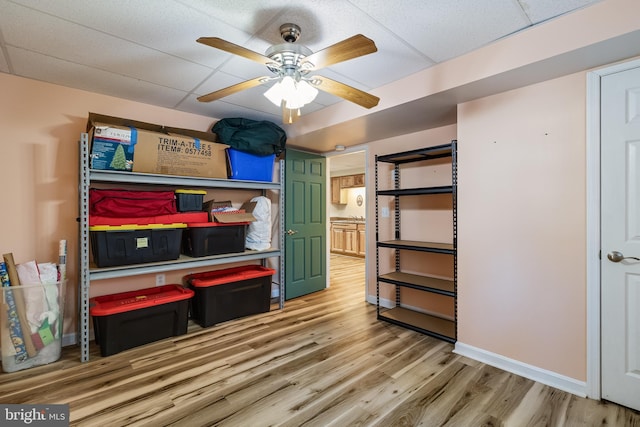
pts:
[292, 66]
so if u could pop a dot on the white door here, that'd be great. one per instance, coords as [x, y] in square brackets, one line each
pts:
[620, 234]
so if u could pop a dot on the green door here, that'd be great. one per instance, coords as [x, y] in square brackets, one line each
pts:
[305, 224]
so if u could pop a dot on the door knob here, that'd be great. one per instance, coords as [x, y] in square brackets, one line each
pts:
[291, 232]
[616, 256]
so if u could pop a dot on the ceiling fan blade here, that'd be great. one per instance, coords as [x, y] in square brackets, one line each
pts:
[347, 92]
[221, 44]
[233, 89]
[350, 48]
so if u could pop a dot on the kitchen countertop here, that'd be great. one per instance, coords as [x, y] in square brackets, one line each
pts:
[342, 220]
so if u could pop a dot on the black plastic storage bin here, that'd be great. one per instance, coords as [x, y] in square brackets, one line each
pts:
[230, 293]
[115, 245]
[130, 319]
[189, 200]
[213, 238]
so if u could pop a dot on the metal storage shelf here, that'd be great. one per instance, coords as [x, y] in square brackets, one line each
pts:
[182, 263]
[431, 324]
[448, 189]
[89, 272]
[175, 180]
[434, 326]
[423, 283]
[428, 153]
[412, 245]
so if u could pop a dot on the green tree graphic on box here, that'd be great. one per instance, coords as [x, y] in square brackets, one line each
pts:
[119, 161]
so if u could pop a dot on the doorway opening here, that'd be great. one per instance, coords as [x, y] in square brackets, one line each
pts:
[347, 216]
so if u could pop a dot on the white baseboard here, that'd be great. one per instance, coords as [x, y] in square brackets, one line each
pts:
[531, 372]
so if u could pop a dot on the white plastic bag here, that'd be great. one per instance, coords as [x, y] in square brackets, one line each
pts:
[259, 231]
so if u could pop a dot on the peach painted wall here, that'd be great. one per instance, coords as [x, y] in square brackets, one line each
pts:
[40, 126]
[521, 225]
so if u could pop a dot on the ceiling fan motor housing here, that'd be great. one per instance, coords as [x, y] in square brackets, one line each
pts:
[288, 56]
[289, 32]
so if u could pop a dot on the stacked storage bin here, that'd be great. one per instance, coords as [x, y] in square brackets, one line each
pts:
[133, 227]
[230, 293]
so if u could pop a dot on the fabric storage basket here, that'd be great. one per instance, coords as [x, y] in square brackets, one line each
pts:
[31, 325]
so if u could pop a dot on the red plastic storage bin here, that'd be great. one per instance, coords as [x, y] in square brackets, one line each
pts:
[230, 293]
[130, 319]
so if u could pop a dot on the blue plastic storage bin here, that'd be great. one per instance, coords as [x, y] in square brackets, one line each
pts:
[250, 167]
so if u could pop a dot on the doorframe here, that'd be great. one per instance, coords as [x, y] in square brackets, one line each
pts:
[593, 144]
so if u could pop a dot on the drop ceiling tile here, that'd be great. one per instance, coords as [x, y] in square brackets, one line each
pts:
[81, 45]
[215, 82]
[222, 109]
[392, 61]
[45, 68]
[542, 10]
[244, 69]
[167, 26]
[323, 23]
[447, 29]
[249, 16]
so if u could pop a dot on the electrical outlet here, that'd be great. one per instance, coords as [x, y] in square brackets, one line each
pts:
[160, 279]
[384, 212]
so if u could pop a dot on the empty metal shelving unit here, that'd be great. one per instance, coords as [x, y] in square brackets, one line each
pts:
[406, 287]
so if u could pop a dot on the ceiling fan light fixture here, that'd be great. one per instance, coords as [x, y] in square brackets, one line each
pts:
[295, 94]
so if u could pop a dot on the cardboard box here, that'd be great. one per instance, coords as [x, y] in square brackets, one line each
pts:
[111, 148]
[154, 148]
[244, 214]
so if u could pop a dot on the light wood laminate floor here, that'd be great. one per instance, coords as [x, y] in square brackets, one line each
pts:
[322, 361]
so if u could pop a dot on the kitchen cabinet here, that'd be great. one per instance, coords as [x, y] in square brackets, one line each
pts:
[352, 181]
[341, 183]
[401, 277]
[362, 246]
[88, 272]
[346, 181]
[346, 237]
[337, 239]
[351, 240]
[338, 197]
